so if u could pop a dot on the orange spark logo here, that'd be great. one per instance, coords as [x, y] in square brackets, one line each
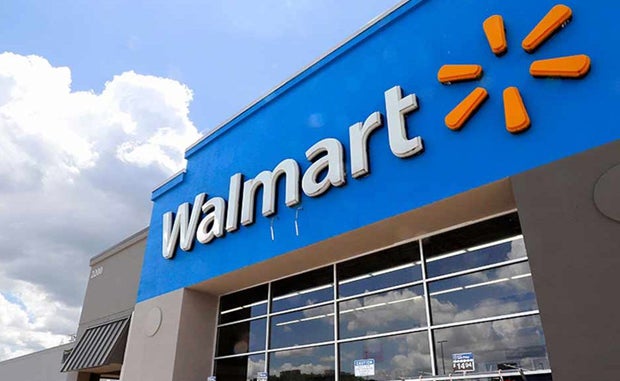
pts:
[516, 116]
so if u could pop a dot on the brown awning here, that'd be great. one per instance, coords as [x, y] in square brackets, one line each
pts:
[99, 346]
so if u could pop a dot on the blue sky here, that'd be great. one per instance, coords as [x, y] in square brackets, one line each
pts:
[227, 52]
[98, 101]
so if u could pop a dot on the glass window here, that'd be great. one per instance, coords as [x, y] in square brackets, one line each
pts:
[498, 291]
[396, 357]
[381, 300]
[384, 269]
[248, 336]
[384, 312]
[312, 325]
[242, 368]
[303, 290]
[477, 256]
[517, 342]
[314, 363]
[471, 238]
[244, 304]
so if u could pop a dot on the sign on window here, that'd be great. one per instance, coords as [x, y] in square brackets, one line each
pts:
[363, 368]
[463, 362]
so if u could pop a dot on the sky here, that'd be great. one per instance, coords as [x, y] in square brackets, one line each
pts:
[98, 102]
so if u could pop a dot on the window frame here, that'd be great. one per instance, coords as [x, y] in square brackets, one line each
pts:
[429, 327]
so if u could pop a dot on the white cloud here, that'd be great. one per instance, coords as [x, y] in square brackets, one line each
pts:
[76, 172]
[32, 320]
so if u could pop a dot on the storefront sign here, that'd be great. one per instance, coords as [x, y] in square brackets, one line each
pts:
[463, 362]
[327, 169]
[327, 159]
[363, 368]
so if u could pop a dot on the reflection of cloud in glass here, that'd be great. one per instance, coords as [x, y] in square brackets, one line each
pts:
[447, 312]
[408, 364]
[255, 366]
[399, 356]
[512, 340]
[414, 342]
[302, 298]
[517, 249]
[494, 292]
[383, 310]
[302, 327]
[304, 368]
[320, 312]
[304, 361]
[296, 352]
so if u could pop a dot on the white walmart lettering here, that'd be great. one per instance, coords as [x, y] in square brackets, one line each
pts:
[210, 218]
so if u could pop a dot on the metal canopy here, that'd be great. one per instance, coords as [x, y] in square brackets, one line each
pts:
[97, 346]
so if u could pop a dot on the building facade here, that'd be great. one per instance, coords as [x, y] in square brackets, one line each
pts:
[436, 198]
[108, 305]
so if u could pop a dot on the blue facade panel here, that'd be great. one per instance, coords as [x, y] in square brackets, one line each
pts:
[405, 48]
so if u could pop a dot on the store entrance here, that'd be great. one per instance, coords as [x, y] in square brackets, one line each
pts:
[459, 305]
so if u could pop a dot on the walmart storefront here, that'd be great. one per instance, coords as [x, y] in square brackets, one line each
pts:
[437, 198]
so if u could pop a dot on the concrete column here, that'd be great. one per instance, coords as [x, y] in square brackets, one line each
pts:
[171, 338]
[569, 212]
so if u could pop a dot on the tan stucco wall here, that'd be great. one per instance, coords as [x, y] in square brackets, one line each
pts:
[113, 293]
[40, 366]
[180, 349]
[574, 256]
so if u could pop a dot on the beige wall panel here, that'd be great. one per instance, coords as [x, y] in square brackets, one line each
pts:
[574, 251]
[151, 358]
[196, 337]
[180, 349]
[113, 291]
[39, 366]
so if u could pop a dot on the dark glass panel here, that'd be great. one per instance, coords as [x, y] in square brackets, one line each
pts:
[469, 258]
[306, 364]
[381, 313]
[303, 290]
[248, 336]
[483, 294]
[243, 368]
[312, 325]
[244, 304]
[472, 235]
[519, 342]
[380, 270]
[396, 357]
